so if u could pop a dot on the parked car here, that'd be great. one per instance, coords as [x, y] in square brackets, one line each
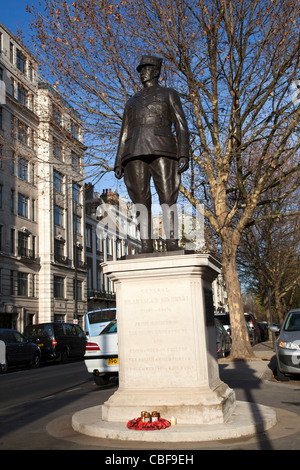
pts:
[57, 341]
[253, 328]
[101, 354]
[18, 350]
[264, 330]
[224, 318]
[223, 340]
[287, 346]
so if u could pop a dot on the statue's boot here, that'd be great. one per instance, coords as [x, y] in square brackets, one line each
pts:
[147, 246]
[172, 244]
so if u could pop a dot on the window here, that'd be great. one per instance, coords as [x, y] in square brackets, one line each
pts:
[59, 249]
[23, 244]
[88, 236]
[13, 126]
[21, 61]
[30, 72]
[74, 129]
[30, 101]
[76, 192]
[33, 246]
[33, 285]
[75, 162]
[108, 246]
[1, 233]
[1, 117]
[31, 138]
[56, 148]
[58, 216]
[22, 94]
[18, 338]
[57, 181]
[23, 168]
[56, 115]
[22, 132]
[12, 86]
[59, 290]
[11, 52]
[1, 155]
[76, 223]
[98, 243]
[12, 201]
[59, 252]
[22, 284]
[12, 164]
[23, 205]
[78, 292]
[33, 210]
[0, 196]
[12, 241]
[32, 172]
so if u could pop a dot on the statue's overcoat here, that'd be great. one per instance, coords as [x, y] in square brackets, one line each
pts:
[148, 120]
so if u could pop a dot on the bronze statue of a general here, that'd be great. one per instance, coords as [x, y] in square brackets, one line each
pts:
[148, 148]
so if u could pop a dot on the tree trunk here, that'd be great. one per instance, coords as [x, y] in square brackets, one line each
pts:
[241, 347]
[278, 305]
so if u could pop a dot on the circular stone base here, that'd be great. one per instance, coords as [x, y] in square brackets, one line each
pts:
[247, 419]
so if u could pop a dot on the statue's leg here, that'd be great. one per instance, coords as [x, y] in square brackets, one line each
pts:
[166, 179]
[137, 180]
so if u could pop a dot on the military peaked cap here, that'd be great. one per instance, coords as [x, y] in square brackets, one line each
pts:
[149, 60]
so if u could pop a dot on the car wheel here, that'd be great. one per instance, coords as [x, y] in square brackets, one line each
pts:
[101, 379]
[36, 361]
[279, 375]
[3, 368]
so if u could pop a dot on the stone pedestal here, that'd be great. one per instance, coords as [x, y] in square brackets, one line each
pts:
[167, 340]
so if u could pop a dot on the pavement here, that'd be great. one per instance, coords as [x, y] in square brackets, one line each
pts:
[261, 366]
[254, 385]
[260, 424]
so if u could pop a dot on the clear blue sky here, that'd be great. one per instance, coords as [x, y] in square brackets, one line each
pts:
[13, 14]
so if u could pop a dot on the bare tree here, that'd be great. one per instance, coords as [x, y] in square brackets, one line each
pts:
[234, 63]
[268, 256]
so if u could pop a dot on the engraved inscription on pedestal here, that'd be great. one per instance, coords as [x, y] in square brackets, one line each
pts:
[158, 337]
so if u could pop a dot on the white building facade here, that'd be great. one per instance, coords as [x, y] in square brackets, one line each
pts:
[42, 220]
[62, 276]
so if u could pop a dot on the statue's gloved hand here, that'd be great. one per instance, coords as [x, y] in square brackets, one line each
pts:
[183, 164]
[119, 172]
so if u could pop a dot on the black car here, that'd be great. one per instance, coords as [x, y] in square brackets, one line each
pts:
[264, 330]
[18, 350]
[57, 341]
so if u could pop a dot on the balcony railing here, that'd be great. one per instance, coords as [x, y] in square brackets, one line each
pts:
[61, 259]
[101, 294]
[25, 253]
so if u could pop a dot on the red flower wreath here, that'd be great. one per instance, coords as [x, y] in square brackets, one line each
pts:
[139, 425]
